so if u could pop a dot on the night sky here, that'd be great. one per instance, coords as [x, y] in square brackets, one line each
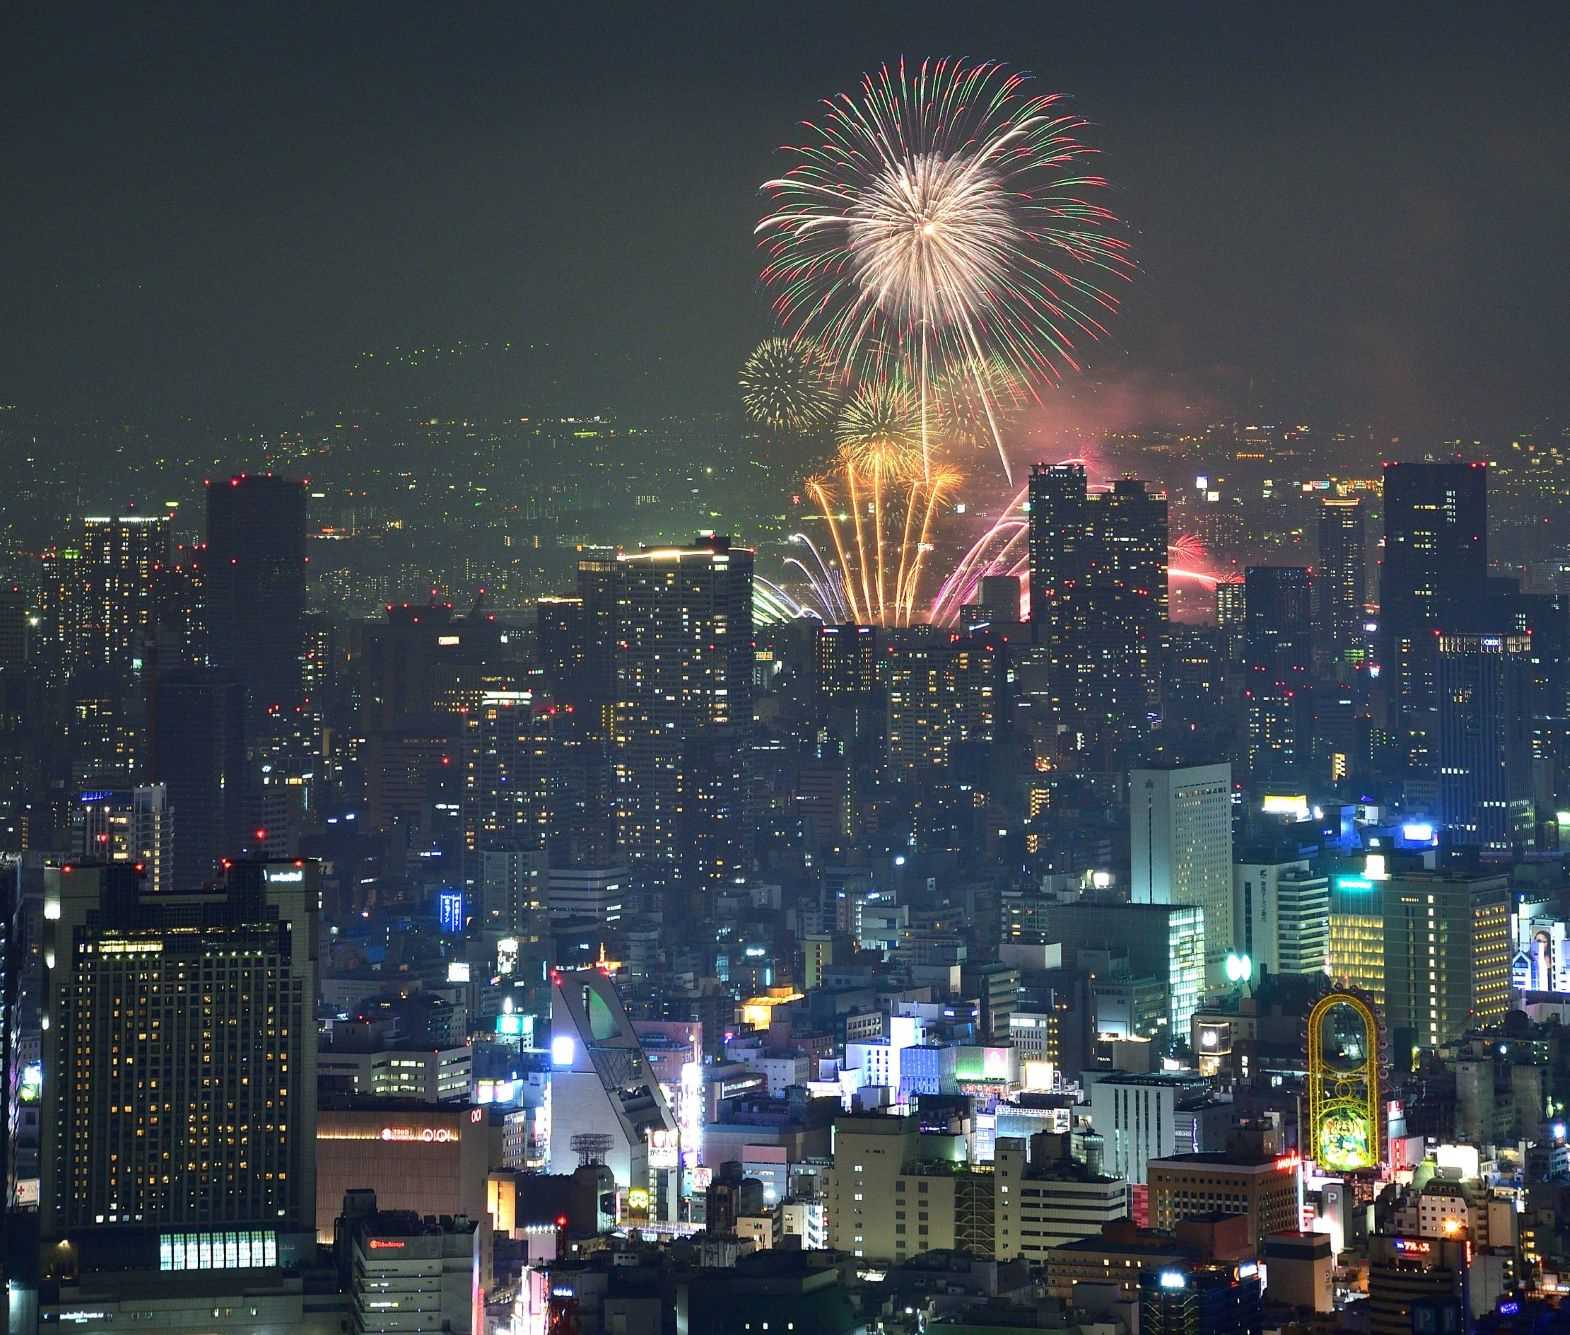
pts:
[1357, 213]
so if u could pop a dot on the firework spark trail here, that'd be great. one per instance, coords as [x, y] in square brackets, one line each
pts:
[939, 223]
[892, 510]
[825, 584]
[772, 605]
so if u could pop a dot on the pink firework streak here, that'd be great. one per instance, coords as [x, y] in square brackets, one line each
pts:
[1003, 550]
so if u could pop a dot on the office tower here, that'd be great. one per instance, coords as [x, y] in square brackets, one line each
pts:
[1434, 576]
[123, 573]
[1163, 942]
[683, 708]
[1545, 618]
[1484, 742]
[133, 825]
[846, 661]
[1278, 661]
[256, 588]
[1098, 596]
[1251, 1177]
[1430, 948]
[1180, 846]
[1340, 582]
[1196, 666]
[1190, 1299]
[408, 1271]
[1282, 915]
[606, 1104]
[180, 1060]
[941, 695]
[1232, 617]
[1357, 935]
[1417, 1284]
[511, 899]
[198, 757]
[1140, 1118]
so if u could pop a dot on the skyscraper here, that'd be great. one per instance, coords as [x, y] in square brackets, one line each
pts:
[1340, 582]
[1098, 594]
[683, 706]
[1232, 616]
[846, 661]
[180, 1059]
[1434, 576]
[1484, 739]
[940, 695]
[198, 756]
[1180, 846]
[256, 587]
[133, 825]
[1278, 658]
[123, 572]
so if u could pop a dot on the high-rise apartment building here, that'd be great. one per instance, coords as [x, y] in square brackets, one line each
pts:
[1434, 576]
[1278, 659]
[180, 1056]
[941, 695]
[1232, 616]
[123, 572]
[683, 709]
[1180, 845]
[1098, 594]
[255, 581]
[846, 660]
[1341, 582]
[1484, 739]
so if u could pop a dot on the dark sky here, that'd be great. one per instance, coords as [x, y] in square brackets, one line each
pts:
[1361, 212]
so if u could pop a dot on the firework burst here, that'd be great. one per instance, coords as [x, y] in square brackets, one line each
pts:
[939, 223]
[878, 506]
[788, 384]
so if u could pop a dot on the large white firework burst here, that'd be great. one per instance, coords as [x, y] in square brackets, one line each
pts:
[939, 219]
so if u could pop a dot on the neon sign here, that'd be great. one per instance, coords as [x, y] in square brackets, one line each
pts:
[386, 1244]
[428, 1135]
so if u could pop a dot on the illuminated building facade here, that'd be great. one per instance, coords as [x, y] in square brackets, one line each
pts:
[1282, 915]
[123, 572]
[1433, 574]
[1232, 616]
[430, 1159]
[1341, 581]
[1098, 594]
[1484, 746]
[1447, 955]
[1357, 934]
[940, 696]
[606, 1101]
[1180, 846]
[683, 709]
[1343, 1085]
[846, 660]
[180, 1060]
[127, 825]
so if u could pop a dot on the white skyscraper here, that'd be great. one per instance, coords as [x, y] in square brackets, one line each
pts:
[1180, 844]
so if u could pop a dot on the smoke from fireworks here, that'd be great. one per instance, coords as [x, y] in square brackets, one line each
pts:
[938, 224]
[788, 384]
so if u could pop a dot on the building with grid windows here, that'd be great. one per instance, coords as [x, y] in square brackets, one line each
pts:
[180, 1069]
